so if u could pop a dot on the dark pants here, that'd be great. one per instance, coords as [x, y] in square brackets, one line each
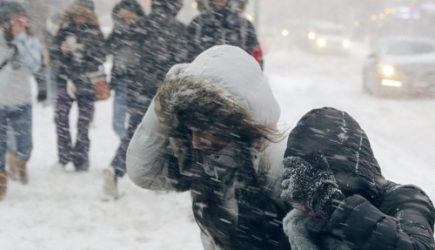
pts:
[135, 113]
[79, 153]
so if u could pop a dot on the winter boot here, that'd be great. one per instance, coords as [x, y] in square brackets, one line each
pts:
[12, 163]
[110, 186]
[22, 171]
[3, 184]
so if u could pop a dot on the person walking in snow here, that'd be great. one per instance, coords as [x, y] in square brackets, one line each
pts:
[162, 44]
[20, 58]
[123, 44]
[342, 200]
[206, 133]
[222, 25]
[79, 47]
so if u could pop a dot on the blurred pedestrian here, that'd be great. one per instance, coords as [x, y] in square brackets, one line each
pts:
[220, 24]
[342, 200]
[211, 130]
[79, 48]
[124, 44]
[52, 27]
[20, 58]
[163, 44]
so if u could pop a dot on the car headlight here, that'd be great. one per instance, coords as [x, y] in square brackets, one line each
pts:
[321, 42]
[391, 83]
[388, 70]
[311, 35]
[284, 32]
[345, 44]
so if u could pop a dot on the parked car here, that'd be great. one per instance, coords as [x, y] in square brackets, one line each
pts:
[401, 66]
[326, 37]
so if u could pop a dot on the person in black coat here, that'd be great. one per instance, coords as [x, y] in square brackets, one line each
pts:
[222, 25]
[123, 44]
[343, 202]
[164, 45]
[79, 48]
[161, 43]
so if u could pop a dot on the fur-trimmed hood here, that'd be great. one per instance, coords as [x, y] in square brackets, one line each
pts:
[128, 9]
[223, 78]
[77, 9]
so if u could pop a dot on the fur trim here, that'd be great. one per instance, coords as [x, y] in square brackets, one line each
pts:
[79, 10]
[182, 93]
[128, 15]
[175, 106]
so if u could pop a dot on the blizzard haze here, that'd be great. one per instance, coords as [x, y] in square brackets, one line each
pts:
[65, 210]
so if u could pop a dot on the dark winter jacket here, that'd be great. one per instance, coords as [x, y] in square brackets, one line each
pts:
[87, 55]
[163, 46]
[125, 43]
[19, 59]
[131, 5]
[235, 193]
[216, 27]
[376, 213]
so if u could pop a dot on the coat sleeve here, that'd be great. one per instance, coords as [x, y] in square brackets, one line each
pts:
[55, 49]
[149, 165]
[193, 35]
[251, 40]
[6, 52]
[29, 52]
[110, 43]
[407, 224]
[96, 50]
[253, 45]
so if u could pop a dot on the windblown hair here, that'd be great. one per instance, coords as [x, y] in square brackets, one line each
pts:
[79, 10]
[187, 101]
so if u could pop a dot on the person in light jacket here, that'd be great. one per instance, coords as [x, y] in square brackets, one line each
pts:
[20, 58]
[211, 130]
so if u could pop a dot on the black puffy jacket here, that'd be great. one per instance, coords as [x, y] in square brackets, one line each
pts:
[217, 27]
[163, 46]
[125, 43]
[87, 58]
[376, 213]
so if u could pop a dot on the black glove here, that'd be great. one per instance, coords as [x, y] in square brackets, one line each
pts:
[311, 185]
[41, 81]
[42, 95]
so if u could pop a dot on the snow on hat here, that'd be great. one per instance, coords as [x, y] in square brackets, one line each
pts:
[8, 9]
[86, 3]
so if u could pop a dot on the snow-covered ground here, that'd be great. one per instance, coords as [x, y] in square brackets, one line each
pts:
[64, 209]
